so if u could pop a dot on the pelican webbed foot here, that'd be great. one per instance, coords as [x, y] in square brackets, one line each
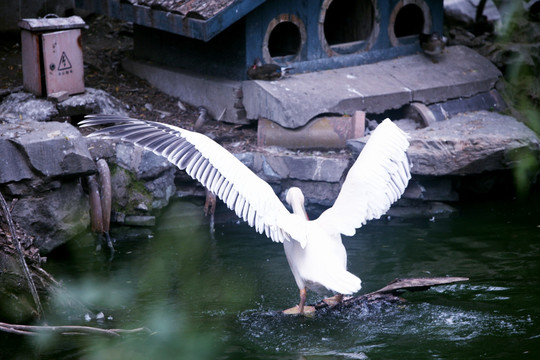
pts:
[295, 310]
[334, 300]
[301, 308]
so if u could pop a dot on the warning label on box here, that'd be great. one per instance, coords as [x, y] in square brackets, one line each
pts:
[64, 64]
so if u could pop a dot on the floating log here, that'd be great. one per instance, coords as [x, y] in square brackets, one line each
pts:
[417, 284]
[389, 293]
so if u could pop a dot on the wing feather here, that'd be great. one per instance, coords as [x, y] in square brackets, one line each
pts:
[205, 176]
[151, 140]
[185, 160]
[222, 173]
[229, 197]
[376, 180]
[216, 184]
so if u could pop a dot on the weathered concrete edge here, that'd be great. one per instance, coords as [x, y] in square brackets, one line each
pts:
[212, 93]
[293, 101]
[373, 88]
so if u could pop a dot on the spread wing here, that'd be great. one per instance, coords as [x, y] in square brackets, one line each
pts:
[376, 180]
[250, 197]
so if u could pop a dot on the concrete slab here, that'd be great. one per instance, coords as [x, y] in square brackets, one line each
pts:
[293, 101]
[374, 88]
[214, 94]
[461, 72]
[378, 93]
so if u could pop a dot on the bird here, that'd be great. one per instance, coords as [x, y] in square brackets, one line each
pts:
[432, 44]
[204, 117]
[260, 71]
[313, 248]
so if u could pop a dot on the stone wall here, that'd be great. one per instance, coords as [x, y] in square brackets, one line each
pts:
[44, 166]
[41, 169]
[44, 163]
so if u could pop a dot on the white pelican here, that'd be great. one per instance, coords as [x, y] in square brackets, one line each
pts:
[314, 250]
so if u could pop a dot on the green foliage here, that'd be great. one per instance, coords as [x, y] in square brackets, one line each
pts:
[518, 55]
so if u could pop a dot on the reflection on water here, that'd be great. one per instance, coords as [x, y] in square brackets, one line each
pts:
[219, 298]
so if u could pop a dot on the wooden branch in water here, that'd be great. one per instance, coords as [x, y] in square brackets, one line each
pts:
[390, 292]
[417, 284]
[34, 330]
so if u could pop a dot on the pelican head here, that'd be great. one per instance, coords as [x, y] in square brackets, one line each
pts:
[295, 199]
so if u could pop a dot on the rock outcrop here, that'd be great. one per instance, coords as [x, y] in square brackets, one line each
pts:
[41, 166]
[142, 182]
[23, 106]
[469, 143]
[44, 165]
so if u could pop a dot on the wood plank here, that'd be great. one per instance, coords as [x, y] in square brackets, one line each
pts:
[63, 61]
[48, 24]
[31, 61]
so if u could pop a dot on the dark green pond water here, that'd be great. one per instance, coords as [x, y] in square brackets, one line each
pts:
[218, 298]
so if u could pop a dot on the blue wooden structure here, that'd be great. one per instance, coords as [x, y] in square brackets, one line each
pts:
[224, 37]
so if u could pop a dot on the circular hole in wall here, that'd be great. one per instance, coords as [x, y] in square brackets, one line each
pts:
[284, 40]
[409, 21]
[347, 26]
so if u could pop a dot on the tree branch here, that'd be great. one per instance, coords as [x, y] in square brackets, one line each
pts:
[15, 240]
[390, 293]
[480, 10]
[33, 330]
